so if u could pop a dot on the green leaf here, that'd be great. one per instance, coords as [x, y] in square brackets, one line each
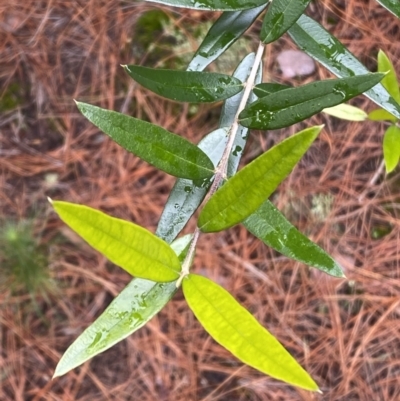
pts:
[381, 115]
[289, 106]
[229, 27]
[391, 5]
[128, 245]
[269, 225]
[281, 15]
[185, 197]
[186, 86]
[391, 148]
[137, 303]
[390, 80]
[244, 193]
[318, 43]
[168, 152]
[267, 88]
[233, 327]
[346, 112]
[213, 5]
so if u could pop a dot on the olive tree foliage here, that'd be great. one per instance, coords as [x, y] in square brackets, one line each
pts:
[207, 178]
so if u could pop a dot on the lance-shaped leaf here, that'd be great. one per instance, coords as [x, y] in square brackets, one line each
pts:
[318, 43]
[269, 225]
[212, 5]
[281, 15]
[381, 115]
[229, 27]
[390, 80]
[391, 148]
[167, 151]
[233, 327]
[186, 86]
[137, 303]
[391, 5]
[290, 106]
[128, 245]
[185, 196]
[244, 193]
[346, 112]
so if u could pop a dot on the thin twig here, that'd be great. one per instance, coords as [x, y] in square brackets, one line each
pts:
[220, 172]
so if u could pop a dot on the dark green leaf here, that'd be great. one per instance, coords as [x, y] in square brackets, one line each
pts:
[381, 115]
[128, 245]
[225, 31]
[392, 5]
[289, 106]
[168, 152]
[390, 80]
[271, 227]
[268, 88]
[244, 193]
[129, 311]
[391, 148]
[213, 5]
[317, 42]
[281, 15]
[186, 86]
[185, 196]
[238, 331]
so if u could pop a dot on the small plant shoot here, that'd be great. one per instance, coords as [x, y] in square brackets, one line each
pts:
[208, 180]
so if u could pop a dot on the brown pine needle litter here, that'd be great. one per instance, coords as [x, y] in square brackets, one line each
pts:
[344, 332]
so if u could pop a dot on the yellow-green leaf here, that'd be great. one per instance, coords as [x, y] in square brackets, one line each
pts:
[244, 193]
[238, 331]
[137, 303]
[381, 115]
[391, 148]
[128, 245]
[346, 112]
[390, 80]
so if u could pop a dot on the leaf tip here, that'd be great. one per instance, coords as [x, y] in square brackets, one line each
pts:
[50, 200]
[319, 391]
